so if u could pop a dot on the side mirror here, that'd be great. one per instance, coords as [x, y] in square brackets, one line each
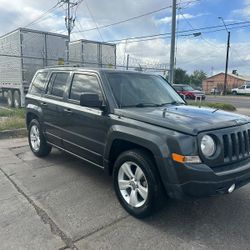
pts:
[90, 100]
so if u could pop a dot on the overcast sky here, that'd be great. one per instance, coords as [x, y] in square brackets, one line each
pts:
[206, 52]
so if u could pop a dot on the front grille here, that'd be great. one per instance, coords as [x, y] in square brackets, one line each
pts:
[236, 145]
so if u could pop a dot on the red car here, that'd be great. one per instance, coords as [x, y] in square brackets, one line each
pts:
[189, 92]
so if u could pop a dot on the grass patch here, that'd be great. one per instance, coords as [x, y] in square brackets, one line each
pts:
[12, 119]
[8, 112]
[215, 105]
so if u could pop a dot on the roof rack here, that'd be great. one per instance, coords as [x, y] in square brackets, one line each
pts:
[63, 66]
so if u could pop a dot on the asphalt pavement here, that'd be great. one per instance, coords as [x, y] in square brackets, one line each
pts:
[237, 101]
[60, 203]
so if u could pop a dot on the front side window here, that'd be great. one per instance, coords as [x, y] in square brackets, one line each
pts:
[242, 87]
[84, 84]
[135, 89]
[58, 84]
[38, 84]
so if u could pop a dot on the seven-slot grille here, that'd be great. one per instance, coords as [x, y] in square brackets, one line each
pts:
[236, 145]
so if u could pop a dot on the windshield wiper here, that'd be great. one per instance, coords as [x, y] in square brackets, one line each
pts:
[147, 104]
[171, 103]
[143, 105]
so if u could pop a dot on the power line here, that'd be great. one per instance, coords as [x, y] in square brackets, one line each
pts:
[133, 18]
[212, 29]
[96, 26]
[43, 15]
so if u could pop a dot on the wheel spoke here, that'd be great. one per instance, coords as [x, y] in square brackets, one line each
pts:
[126, 167]
[133, 199]
[138, 174]
[124, 184]
[32, 138]
[142, 191]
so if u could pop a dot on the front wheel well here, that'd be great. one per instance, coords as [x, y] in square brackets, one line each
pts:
[119, 146]
[29, 117]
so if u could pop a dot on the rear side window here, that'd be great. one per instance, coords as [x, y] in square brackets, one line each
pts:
[84, 84]
[58, 83]
[39, 83]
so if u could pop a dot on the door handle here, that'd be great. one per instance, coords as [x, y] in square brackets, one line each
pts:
[69, 111]
[43, 103]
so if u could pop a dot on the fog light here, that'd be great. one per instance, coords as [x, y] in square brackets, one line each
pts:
[231, 189]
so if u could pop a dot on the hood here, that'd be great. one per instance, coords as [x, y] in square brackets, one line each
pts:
[186, 119]
[197, 92]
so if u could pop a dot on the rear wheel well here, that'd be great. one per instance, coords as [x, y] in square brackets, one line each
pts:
[119, 146]
[30, 117]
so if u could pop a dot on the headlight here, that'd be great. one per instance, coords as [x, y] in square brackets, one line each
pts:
[208, 146]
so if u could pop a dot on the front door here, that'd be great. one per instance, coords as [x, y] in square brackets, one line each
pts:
[85, 129]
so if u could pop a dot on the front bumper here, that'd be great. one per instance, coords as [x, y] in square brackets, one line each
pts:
[199, 180]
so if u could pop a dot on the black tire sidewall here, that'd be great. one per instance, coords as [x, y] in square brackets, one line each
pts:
[147, 168]
[44, 148]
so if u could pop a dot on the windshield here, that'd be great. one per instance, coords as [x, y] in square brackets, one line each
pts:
[140, 90]
[187, 88]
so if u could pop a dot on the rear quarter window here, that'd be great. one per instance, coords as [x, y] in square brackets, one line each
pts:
[57, 84]
[38, 84]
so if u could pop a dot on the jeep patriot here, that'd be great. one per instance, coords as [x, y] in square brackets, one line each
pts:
[138, 129]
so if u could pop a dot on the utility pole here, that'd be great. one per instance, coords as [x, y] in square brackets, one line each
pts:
[69, 22]
[172, 49]
[227, 56]
[127, 66]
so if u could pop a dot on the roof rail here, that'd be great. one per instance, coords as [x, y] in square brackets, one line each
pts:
[63, 66]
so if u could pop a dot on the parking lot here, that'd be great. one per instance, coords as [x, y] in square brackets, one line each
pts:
[59, 203]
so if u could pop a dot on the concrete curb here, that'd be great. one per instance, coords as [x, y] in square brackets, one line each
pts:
[16, 133]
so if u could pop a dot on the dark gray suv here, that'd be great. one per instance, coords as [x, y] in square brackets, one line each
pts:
[136, 128]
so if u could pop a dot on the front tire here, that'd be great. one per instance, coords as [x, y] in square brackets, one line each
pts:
[136, 182]
[234, 93]
[37, 141]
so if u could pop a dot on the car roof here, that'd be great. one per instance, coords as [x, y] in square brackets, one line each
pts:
[88, 69]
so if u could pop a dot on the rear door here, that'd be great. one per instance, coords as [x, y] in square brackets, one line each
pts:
[85, 129]
[51, 103]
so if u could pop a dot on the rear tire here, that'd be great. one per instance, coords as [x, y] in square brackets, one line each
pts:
[137, 184]
[234, 93]
[17, 99]
[10, 100]
[37, 141]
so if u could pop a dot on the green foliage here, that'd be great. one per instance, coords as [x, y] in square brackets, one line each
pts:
[197, 77]
[181, 76]
[11, 119]
[7, 112]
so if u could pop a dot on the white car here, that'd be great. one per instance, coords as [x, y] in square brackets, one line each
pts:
[244, 89]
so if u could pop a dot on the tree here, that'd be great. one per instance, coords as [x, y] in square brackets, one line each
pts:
[197, 77]
[181, 76]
